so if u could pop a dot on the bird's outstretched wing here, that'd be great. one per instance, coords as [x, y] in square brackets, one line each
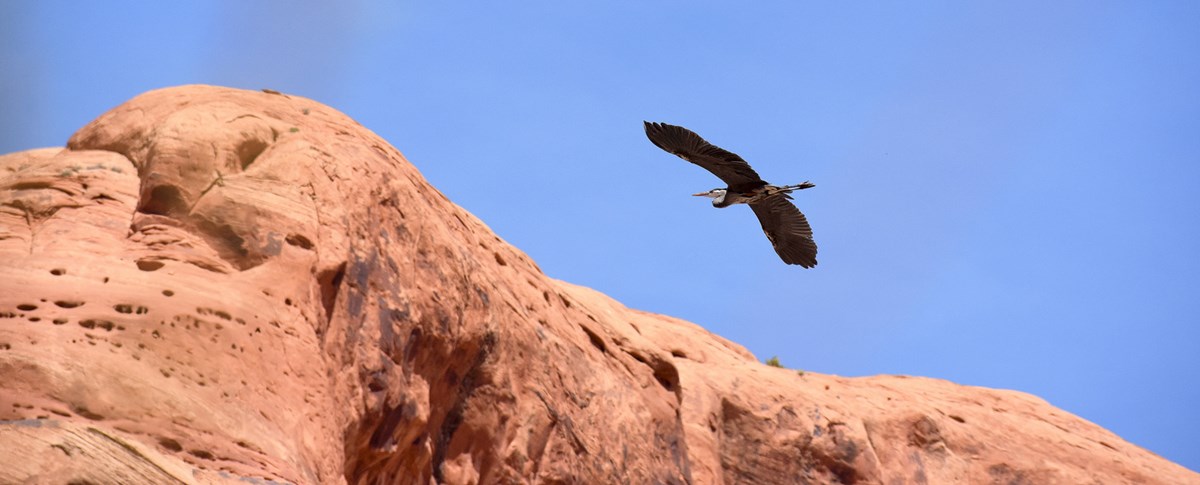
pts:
[787, 229]
[687, 145]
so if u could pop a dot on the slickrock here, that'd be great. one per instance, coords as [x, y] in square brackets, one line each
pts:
[216, 285]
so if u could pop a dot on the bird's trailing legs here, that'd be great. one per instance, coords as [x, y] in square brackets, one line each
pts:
[786, 189]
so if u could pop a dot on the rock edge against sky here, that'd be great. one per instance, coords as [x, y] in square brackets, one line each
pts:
[217, 285]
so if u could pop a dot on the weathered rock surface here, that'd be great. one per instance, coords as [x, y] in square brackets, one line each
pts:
[215, 285]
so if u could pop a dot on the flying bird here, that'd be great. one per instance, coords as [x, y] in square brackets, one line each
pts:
[784, 225]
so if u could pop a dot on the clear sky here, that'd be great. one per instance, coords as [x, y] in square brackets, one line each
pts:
[1007, 193]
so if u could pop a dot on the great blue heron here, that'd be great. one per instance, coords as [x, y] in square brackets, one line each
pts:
[784, 225]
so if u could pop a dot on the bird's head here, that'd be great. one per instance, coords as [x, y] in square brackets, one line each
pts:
[717, 195]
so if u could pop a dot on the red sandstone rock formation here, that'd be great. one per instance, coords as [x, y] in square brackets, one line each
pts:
[214, 285]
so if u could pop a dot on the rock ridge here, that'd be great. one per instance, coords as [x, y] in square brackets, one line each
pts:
[212, 285]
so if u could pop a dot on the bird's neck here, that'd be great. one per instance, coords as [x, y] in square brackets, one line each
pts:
[722, 200]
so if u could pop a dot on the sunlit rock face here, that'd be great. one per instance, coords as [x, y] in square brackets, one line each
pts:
[216, 285]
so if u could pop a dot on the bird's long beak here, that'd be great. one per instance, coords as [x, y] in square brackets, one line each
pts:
[701, 194]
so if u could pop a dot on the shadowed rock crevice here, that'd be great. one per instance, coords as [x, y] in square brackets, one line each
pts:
[330, 283]
[596, 340]
[662, 369]
[228, 243]
[165, 200]
[248, 151]
[469, 383]
[420, 438]
[384, 437]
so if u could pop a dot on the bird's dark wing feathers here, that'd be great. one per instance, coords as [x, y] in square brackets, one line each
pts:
[687, 145]
[787, 229]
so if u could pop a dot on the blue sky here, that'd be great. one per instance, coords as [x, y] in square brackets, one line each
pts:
[1008, 193]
